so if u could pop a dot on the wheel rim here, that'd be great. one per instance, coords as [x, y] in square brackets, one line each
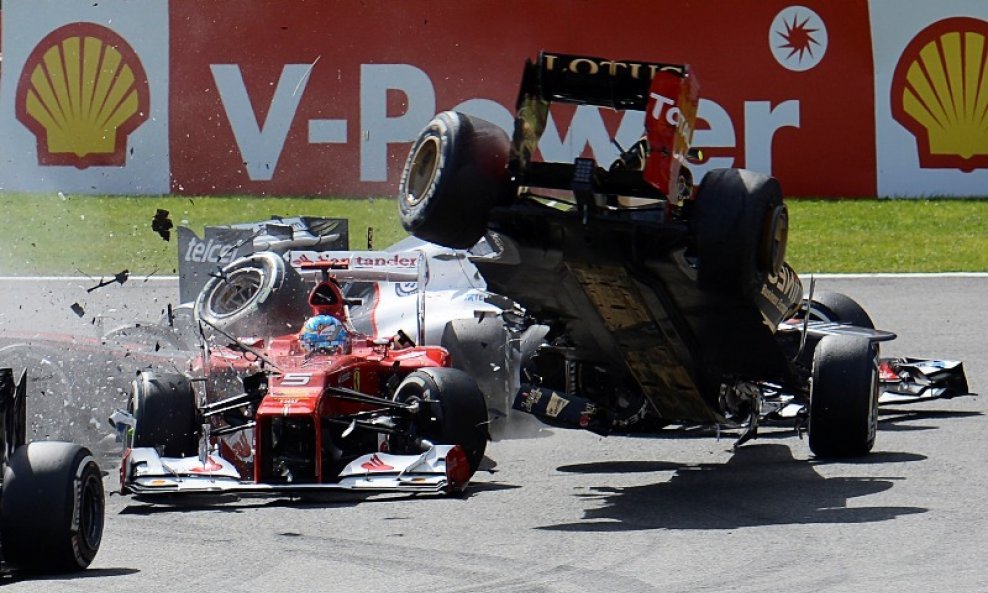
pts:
[873, 406]
[91, 513]
[233, 294]
[134, 408]
[422, 171]
[775, 239]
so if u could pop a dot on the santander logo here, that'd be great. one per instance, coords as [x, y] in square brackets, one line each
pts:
[940, 94]
[82, 92]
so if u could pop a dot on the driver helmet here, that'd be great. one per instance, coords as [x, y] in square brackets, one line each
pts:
[324, 333]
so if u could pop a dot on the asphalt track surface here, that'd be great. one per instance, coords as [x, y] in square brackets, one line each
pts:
[572, 512]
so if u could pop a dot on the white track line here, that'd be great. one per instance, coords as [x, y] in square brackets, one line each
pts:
[864, 275]
[133, 279]
[899, 275]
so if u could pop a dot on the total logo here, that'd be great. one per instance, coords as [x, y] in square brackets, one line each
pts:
[798, 38]
[82, 92]
[939, 93]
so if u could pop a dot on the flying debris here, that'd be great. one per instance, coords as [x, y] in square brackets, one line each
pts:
[162, 225]
[120, 277]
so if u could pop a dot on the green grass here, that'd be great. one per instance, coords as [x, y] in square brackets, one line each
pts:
[829, 236]
[97, 235]
[93, 235]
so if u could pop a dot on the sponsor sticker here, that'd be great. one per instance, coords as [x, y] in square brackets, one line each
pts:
[555, 405]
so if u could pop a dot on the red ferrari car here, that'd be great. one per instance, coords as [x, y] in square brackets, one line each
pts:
[321, 408]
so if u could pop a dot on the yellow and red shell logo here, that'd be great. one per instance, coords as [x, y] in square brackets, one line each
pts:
[82, 92]
[940, 93]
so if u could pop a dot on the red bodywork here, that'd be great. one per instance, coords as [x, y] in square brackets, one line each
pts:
[298, 384]
[670, 117]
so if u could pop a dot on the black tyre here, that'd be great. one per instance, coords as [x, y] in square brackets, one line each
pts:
[453, 412]
[52, 508]
[844, 397]
[837, 308]
[165, 410]
[257, 295]
[455, 173]
[741, 229]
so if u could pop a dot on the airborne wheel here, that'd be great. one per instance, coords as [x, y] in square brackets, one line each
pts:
[455, 173]
[741, 229]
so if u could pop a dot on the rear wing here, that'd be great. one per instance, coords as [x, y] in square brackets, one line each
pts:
[361, 266]
[411, 268]
[667, 93]
[586, 80]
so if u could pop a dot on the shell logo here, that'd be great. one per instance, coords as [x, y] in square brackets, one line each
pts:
[82, 92]
[940, 93]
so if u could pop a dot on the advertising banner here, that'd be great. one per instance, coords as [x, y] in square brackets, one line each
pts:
[84, 97]
[287, 97]
[931, 104]
[325, 97]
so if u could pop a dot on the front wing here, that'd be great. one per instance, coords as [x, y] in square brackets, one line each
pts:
[901, 379]
[908, 380]
[442, 469]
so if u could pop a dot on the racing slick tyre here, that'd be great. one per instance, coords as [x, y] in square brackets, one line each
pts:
[836, 307]
[51, 511]
[741, 228]
[457, 414]
[164, 408]
[843, 397]
[455, 173]
[256, 295]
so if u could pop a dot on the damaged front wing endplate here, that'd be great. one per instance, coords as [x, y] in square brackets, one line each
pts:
[908, 380]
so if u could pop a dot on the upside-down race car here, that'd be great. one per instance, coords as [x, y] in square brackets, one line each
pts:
[319, 409]
[660, 303]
